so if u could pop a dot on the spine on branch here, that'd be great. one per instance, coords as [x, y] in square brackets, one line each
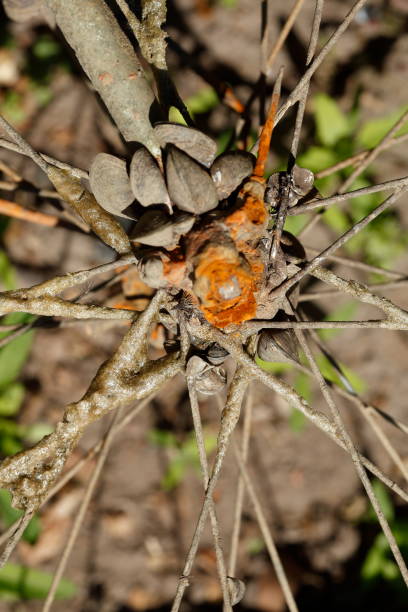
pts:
[111, 64]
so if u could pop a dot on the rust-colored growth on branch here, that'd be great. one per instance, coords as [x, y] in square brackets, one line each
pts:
[225, 286]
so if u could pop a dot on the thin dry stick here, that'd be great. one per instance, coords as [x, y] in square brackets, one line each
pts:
[282, 289]
[255, 326]
[359, 265]
[10, 172]
[294, 399]
[304, 81]
[77, 172]
[342, 197]
[321, 295]
[14, 538]
[56, 307]
[26, 148]
[354, 454]
[56, 285]
[16, 333]
[195, 411]
[355, 399]
[81, 512]
[358, 157]
[11, 209]
[361, 292]
[310, 53]
[266, 533]
[229, 419]
[283, 36]
[367, 411]
[375, 152]
[371, 418]
[239, 500]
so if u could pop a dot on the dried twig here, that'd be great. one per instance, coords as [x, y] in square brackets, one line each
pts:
[342, 197]
[79, 518]
[229, 419]
[282, 289]
[11, 209]
[280, 41]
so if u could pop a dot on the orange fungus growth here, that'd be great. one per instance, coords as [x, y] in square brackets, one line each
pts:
[225, 286]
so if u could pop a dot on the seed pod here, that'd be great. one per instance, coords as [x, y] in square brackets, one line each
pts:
[190, 186]
[229, 170]
[215, 354]
[191, 141]
[301, 184]
[157, 228]
[146, 180]
[110, 183]
[277, 345]
[236, 588]
[303, 180]
[208, 379]
[151, 271]
[292, 247]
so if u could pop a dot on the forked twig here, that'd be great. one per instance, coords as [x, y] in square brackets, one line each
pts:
[239, 500]
[198, 428]
[283, 288]
[354, 455]
[107, 443]
[229, 420]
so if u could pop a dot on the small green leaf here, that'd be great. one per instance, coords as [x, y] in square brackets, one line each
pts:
[11, 398]
[13, 357]
[7, 276]
[272, 366]
[164, 438]
[255, 546]
[374, 561]
[175, 116]
[9, 515]
[336, 219]
[203, 101]
[372, 132]
[45, 47]
[317, 158]
[385, 502]
[29, 583]
[296, 223]
[9, 445]
[297, 420]
[34, 433]
[344, 312]
[331, 123]
[174, 474]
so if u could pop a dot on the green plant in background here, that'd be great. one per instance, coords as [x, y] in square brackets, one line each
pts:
[339, 136]
[378, 565]
[184, 454]
[18, 582]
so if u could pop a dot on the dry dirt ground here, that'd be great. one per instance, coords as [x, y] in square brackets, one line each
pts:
[131, 548]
